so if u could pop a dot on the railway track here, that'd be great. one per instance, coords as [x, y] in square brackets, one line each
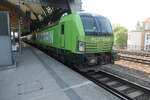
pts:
[145, 54]
[119, 87]
[137, 60]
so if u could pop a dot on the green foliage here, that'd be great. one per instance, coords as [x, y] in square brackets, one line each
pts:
[121, 36]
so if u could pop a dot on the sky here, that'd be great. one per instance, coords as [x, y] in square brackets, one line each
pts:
[123, 12]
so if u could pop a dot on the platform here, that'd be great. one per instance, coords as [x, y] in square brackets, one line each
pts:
[40, 77]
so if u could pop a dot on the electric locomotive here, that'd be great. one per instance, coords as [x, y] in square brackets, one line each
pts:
[83, 39]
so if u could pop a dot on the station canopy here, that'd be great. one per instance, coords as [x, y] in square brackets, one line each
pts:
[35, 14]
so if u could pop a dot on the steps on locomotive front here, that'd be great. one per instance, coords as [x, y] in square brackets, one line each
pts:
[40, 77]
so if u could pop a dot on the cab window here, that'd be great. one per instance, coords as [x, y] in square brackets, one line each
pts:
[62, 29]
[88, 24]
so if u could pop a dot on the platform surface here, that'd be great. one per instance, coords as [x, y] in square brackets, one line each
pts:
[40, 77]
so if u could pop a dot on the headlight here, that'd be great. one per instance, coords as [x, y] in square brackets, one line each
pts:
[92, 60]
[81, 46]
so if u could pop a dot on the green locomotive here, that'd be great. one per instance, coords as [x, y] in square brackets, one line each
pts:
[79, 38]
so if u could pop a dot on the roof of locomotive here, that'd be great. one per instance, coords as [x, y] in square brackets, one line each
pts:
[90, 14]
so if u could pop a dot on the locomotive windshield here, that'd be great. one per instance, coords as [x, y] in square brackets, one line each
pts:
[89, 24]
[103, 25]
[96, 25]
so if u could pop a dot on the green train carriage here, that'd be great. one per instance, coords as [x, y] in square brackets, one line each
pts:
[79, 38]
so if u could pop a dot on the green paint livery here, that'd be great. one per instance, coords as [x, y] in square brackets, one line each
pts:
[68, 34]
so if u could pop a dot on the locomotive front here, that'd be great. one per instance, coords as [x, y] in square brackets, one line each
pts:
[99, 38]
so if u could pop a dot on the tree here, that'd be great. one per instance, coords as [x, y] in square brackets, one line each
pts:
[120, 35]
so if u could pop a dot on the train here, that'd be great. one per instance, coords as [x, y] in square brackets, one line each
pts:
[82, 39]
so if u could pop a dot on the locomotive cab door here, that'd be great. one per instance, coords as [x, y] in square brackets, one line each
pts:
[62, 36]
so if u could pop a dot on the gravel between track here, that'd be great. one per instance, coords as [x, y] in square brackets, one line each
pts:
[134, 66]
